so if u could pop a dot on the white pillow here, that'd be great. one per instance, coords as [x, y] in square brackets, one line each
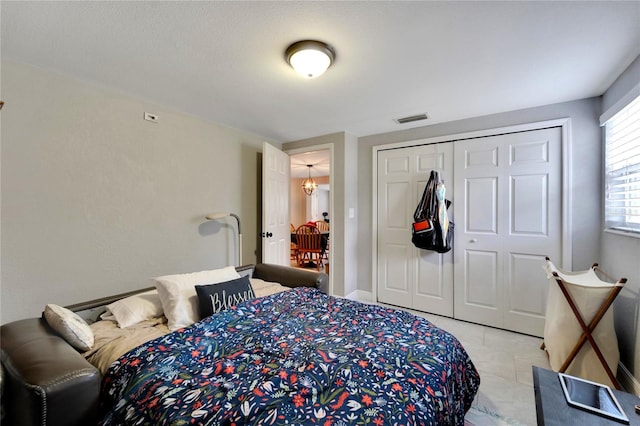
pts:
[178, 294]
[263, 288]
[134, 309]
[70, 326]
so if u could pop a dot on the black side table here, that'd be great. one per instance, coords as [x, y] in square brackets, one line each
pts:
[552, 408]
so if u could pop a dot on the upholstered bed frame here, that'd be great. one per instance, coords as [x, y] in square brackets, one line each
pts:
[47, 382]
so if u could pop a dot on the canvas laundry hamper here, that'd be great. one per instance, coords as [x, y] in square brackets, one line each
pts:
[566, 341]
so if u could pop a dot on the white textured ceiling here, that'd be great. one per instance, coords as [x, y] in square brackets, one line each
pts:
[319, 161]
[223, 61]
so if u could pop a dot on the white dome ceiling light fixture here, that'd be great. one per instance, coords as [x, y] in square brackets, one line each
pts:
[310, 58]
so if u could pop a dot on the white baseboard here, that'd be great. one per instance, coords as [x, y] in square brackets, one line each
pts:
[360, 296]
[628, 382]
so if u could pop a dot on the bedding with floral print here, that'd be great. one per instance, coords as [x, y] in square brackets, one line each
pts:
[297, 357]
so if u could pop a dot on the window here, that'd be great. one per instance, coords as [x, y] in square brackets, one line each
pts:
[622, 169]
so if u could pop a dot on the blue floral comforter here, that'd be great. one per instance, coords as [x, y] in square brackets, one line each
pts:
[298, 357]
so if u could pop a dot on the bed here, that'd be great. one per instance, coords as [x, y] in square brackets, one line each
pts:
[293, 357]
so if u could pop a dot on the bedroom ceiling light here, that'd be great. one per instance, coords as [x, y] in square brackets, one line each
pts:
[309, 185]
[221, 215]
[310, 58]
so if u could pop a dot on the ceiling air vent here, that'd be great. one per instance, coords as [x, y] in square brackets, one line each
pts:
[411, 118]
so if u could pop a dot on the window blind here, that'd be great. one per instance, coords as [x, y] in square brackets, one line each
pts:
[622, 169]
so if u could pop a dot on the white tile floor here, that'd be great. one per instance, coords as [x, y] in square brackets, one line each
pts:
[504, 360]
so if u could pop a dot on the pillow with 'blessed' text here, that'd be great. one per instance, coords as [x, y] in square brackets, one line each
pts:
[214, 298]
[178, 294]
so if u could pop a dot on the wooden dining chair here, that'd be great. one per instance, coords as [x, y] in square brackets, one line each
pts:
[294, 252]
[322, 225]
[308, 240]
[294, 246]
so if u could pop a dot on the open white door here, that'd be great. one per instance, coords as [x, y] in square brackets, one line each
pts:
[276, 232]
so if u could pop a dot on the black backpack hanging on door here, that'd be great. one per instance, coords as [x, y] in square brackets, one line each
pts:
[432, 229]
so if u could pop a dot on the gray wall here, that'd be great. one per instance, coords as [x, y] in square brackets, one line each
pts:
[620, 254]
[352, 183]
[95, 200]
[298, 200]
[344, 186]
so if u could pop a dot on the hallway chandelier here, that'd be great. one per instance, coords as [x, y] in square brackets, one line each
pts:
[309, 185]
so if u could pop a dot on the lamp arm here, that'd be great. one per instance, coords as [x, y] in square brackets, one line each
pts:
[239, 238]
[220, 215]
[238, 219]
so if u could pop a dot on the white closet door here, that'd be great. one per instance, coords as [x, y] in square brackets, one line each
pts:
[407, 276]
[509, 217]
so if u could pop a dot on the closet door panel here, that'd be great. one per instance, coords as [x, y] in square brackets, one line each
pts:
[534, 173]
[481, 205]
[477, 251]
[526, 298]
[511, 219]
[395, 196]
[408, 276]
[483, 289]
[528, 212]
